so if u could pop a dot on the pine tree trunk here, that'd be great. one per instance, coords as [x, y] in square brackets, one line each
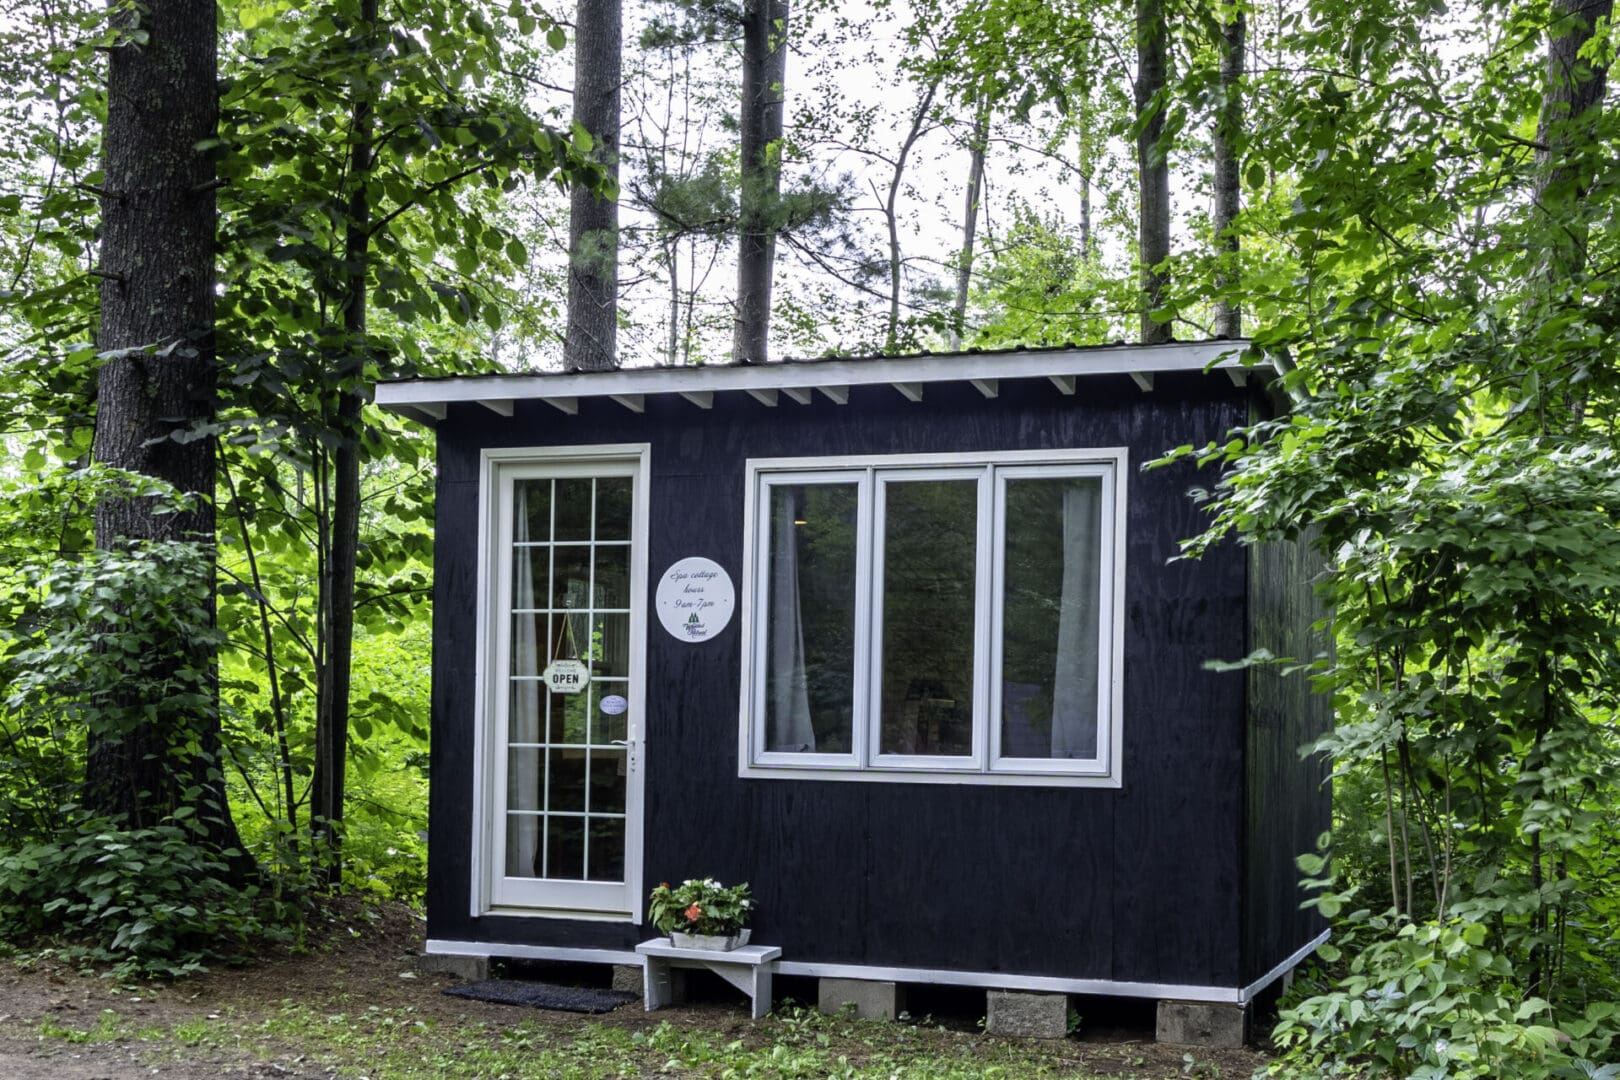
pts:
[759, 143]
[593, 221]
[970, 223]
[157, 300]
[1228, 194]
[1152, 165]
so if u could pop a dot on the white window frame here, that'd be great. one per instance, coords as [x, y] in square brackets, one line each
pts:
[755, 659]
[985, 765]
[881, 477]
[491, 892]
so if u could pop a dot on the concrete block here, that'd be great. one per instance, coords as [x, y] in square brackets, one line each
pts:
[467, 968]
[1199, 1023]
[627, 977]
[870, 999]
[1027, 1015]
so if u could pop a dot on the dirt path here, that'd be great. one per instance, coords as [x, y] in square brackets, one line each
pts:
[355, 1006]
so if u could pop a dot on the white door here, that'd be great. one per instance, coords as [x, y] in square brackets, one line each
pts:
[564, 802]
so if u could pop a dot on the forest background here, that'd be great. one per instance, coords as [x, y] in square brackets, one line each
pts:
[214, 590]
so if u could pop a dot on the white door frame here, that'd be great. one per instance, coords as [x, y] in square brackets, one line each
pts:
[498, 467]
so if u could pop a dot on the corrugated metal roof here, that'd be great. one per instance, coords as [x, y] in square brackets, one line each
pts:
[428, 398]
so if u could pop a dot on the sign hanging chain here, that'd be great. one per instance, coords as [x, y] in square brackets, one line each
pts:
[568, 633]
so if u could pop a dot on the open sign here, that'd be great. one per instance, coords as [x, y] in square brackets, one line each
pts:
[566, 676]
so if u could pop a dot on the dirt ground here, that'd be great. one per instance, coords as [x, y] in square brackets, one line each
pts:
[62, 1024]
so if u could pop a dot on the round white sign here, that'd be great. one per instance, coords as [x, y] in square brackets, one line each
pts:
[614, 704]
[695, 599]
[566, 676]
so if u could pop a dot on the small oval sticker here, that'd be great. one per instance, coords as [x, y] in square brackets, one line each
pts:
[613, 704]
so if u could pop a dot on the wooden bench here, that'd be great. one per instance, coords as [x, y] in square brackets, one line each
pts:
[747, 968]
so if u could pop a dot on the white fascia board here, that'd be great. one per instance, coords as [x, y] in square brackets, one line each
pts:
[630, 384]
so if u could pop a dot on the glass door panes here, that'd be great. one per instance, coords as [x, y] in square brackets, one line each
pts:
[566, 754]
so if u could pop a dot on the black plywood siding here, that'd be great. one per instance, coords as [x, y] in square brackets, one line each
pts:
[1138, 884]
[1289, 803]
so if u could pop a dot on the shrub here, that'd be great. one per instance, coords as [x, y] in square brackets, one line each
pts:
[150, 901]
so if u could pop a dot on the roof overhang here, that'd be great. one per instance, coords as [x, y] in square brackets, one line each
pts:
[799, 381]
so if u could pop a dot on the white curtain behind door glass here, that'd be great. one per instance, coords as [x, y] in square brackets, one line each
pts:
[787, 725]
[1074, 684]
[523, 830]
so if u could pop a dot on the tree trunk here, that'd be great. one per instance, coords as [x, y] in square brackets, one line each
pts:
[332, 716]
[765, 24]
[1152, 165]
[1572, 154]
[1228, 194]
[1085, 204]
[672, 254]
[593, 220]
[970, 223]
[157, 301]
[891, 211]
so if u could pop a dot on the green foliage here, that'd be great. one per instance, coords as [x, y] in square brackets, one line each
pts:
[150, 901]
[700, 906]
[1040, 287]
[1432, 1000]
[83, 655]
[1434, 292]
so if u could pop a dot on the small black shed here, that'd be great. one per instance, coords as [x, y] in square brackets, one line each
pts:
[899, 641]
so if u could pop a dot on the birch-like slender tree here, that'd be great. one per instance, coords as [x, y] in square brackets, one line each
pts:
[338, 568]
[977, 144]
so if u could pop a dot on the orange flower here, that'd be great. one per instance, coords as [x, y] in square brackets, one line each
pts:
[663, 884]
[693, 912]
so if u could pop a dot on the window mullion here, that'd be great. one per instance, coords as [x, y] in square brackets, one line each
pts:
[985, 609]
[866, 633]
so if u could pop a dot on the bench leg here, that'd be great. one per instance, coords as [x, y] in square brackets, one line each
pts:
[762, 990]
[657, 988]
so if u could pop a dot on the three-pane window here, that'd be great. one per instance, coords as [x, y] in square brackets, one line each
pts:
[935, 618]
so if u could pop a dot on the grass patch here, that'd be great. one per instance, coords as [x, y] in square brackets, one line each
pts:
[795, 1043]
[108, 1026]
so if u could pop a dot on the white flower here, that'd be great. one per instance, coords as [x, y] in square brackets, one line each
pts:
[1441, 1046]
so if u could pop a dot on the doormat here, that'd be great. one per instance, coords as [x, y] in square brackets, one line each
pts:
[537, 995]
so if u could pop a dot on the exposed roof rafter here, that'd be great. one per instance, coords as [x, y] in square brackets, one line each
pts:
[427, 399]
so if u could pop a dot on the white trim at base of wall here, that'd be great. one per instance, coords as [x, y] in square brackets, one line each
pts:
[1293, 960]
[997, 980]
[440, 947]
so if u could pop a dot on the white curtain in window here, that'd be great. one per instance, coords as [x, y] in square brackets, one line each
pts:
[1074, 686]
[788, 723]
[523, 830]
